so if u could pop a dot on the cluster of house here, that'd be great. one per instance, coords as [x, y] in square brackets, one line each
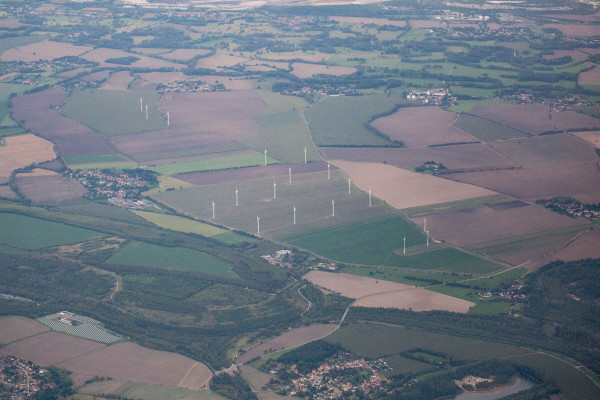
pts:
[190, 86]
[572, 207]
[430, 96]
[107, 184]
[279, 258]
[332, 384]
[512, 293]
[18, 378]
[566, 103]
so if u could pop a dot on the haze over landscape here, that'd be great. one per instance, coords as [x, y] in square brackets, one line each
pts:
[319, 199]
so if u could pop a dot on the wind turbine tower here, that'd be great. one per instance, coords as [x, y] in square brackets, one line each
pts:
[369, 197]
[265, 156]
[290, 174]
[349, 183]
[328, 171]
[168, 119]
[257, 224]
[146, 111]
[236, 197]
[427, 233]
[274, 190]
[305, 155]
[141, 105]
[333, 208]
[294, 214]
[213, 209]
[404, 251]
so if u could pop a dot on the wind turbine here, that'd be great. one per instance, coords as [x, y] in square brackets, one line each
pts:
[213, 209]
[274, 190]
[333, 208]
[294, 214]
[168, 119]
[349, 183]
[290, 174]
[369, 197]
[265, 156]
[236, 197]
[305, 155]
[146, 111]
[328, 171]
[257, 224]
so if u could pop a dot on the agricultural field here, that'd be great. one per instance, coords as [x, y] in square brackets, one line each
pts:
[304, 70]
[48, 186]
[422, 127]
[571, 120]
[16, 328]
[405, 189]
[142, 391]
[593, 137]
[46, 50]
[114, 112]
[179, 258]
[339, 121]
[251, 159]
[530, 118]
[485, 129]
[32, 233]
[118, 81]
[22, 150]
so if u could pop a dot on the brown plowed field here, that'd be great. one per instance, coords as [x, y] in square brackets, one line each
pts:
[574, 120]
[242, 174]
[405, 189]
[576, 29]
[15, 328]
[462, 157]
[531, 118]
[585, 246]
[220, 61]
[304, 70]
[368, 21]
[533, 183]
[184, 54]
[548, 149]
[48, 187]
[118, 81]
[319, 57]
[22, 150]
[6, 192]
[371, 292]
[161, 77]
[422, 127]
[295, 337]
[198, 120]
[484, 224]
[591, 77]
[46, 50]
[592, 137]
[86, 359]
[40, 112]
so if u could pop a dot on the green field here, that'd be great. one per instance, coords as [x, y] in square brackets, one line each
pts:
[144, 391]
[416, 278]
[340, 121]
[492, 282]
[114, 112]
[94, 159]
[105, 165]
[33, 233]
[214, 163]
[151, 255]
[7, 125]
[187, 225]
[192, 152]
[423, 211]
[286, 135]
[485, 129]
[379, 340]
[17, 41]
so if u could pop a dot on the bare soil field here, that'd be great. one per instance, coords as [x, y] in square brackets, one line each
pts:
[161, 77]
[304, 70]
[581, 181]
[318, 57]
[530, 118]
[46, 50]
[575, 29]
[22, 150]
[484, 224]
[416, 299]
[118, 81]
[7, 192]
[243, 174]
[422, 127]
[54, 187]
[591, 77]
[405, 189]
[131, 362]
[584, 246]
[100, 55]
[292, 338]
[592, 137]
[573, 120]
[471, 156]
[367, 21]
[124, 361]
[220, 61]
[371, 292]
[40, 112]
[184, 54]
[272, 64]
[548, 149]
[15, 328]
[198, 120]
[420, 23]
[229, 82]
[97, 76]
[10, 23]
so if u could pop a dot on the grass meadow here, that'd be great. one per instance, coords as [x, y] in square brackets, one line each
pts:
[179, 258]
[114, 112]
[33, 233]
[214, 163]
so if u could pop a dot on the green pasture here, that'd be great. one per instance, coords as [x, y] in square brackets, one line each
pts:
[90, 208]
[378, 340]
[311, 194]
[464, 106]
[192, 152]
[487, 306]
[340, 121]
[33, 233]
[408, 277]
[179, 258]
[403, 365]
[280, 103]
[486, 129]
[186, 225]
[114, 112]
[94, 159]
[105, 165]
[286, 135]
[166, 182]
[492, 282]
[423, 211]
[6, 91]
[474, 92]
[143, 391]
[214, 163]
[18, 41]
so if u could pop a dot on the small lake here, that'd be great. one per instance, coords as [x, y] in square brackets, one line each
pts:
[519, 385]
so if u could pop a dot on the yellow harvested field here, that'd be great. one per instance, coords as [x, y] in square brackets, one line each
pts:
[304, 70]
[404, 189]
[180, 224]
[370, 292]
[46, 50]
[20, 151]
[589, 136]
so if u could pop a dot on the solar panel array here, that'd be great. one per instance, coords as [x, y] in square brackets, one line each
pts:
[87, 328]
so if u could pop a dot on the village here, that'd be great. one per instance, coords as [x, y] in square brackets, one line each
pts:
[337, 378]
[19, 378]
[115, 184]
[572, 207]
